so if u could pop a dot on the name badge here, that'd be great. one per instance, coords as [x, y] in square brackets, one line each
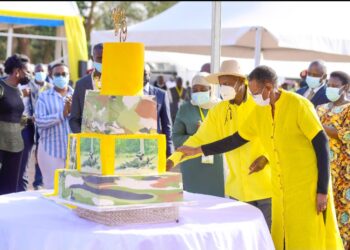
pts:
[208, 159]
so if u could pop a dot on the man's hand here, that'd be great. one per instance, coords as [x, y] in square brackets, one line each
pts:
[258, 164]
[67, 106]
[189, 151]
[169, 165]
[321, 202]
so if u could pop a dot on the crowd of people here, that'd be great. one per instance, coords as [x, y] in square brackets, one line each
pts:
[287, 146]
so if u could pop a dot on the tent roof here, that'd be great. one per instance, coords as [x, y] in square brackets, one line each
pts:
[59, 8]
[291, 30]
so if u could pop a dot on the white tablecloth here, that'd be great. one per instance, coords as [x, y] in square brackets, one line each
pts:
[30, 222]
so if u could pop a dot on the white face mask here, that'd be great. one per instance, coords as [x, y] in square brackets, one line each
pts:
[333, 94]
[313, 82]
[227, 92]
[259, 100]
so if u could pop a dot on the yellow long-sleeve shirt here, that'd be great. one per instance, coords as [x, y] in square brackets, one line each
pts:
[223, 120]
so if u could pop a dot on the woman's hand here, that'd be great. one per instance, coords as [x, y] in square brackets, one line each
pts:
[258, 165]
[169, 165]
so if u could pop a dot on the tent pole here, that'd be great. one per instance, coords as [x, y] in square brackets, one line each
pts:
[58, 45]
[9, 41]
[215, 41]
[258, 39]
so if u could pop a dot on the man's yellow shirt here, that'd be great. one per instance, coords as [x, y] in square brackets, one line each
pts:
[223, 120]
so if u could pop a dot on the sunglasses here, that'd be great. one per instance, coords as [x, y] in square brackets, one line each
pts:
[64, 74]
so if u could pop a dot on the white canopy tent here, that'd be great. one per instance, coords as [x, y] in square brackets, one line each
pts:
[293, 31]
[9, 24]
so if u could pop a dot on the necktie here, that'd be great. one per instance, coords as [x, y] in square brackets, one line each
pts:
[311, 94]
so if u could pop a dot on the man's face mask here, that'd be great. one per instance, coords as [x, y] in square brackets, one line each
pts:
[40, 76]
[228, 92]
[61, 80]
[313, 82]
[98, 66]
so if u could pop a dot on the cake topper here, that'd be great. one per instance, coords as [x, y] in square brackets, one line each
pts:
[119, 21]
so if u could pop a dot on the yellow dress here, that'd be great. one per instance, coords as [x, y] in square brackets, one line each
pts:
[221, 121]
[339, 118]
[287, 138]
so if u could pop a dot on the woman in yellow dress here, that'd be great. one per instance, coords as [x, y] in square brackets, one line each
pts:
[303, 214]
[335, 118]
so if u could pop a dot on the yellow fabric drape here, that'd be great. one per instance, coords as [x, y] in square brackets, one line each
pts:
[75, 34]
[76, 43]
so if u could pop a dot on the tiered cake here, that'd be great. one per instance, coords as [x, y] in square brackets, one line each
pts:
[118, 159]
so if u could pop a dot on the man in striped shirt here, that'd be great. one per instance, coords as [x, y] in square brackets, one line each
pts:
[51, 116]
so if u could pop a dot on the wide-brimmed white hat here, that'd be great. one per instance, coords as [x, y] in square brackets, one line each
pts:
[200, 79]
[229, 67]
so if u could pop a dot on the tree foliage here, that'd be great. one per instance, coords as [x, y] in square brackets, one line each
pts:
[98, 14]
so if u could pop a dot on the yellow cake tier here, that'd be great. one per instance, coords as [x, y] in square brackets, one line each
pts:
[117, 154]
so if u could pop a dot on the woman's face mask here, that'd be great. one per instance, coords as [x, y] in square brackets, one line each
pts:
[259, 100]
[333, 94]
[25, 79]
[200, 98]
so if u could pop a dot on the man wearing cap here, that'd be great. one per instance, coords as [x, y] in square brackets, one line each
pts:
[223, 120]
[202, 175]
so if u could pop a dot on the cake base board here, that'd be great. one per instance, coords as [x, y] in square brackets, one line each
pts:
[126, 214]
[131, 216]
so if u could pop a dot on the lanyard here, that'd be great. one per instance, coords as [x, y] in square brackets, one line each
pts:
[179, 92]
[201, 113]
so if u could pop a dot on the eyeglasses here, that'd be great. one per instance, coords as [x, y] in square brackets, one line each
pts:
[64, 74]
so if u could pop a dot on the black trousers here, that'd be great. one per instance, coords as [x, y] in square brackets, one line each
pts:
[9, 171]
[28, 139]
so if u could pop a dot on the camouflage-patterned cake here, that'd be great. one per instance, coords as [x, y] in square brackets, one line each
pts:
[118, 159]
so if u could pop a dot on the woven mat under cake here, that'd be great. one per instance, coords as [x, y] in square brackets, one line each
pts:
[131, 216]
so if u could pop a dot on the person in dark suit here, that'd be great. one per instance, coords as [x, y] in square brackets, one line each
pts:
[160, 83]
[315, 90]
[178, 95]
[87, 82]
[164, 123]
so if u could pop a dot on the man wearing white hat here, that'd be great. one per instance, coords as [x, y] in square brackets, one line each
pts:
[203, 175]
[223, 120]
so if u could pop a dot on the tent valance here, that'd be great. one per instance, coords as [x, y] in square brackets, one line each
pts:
[31, 21]
[74, 30]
